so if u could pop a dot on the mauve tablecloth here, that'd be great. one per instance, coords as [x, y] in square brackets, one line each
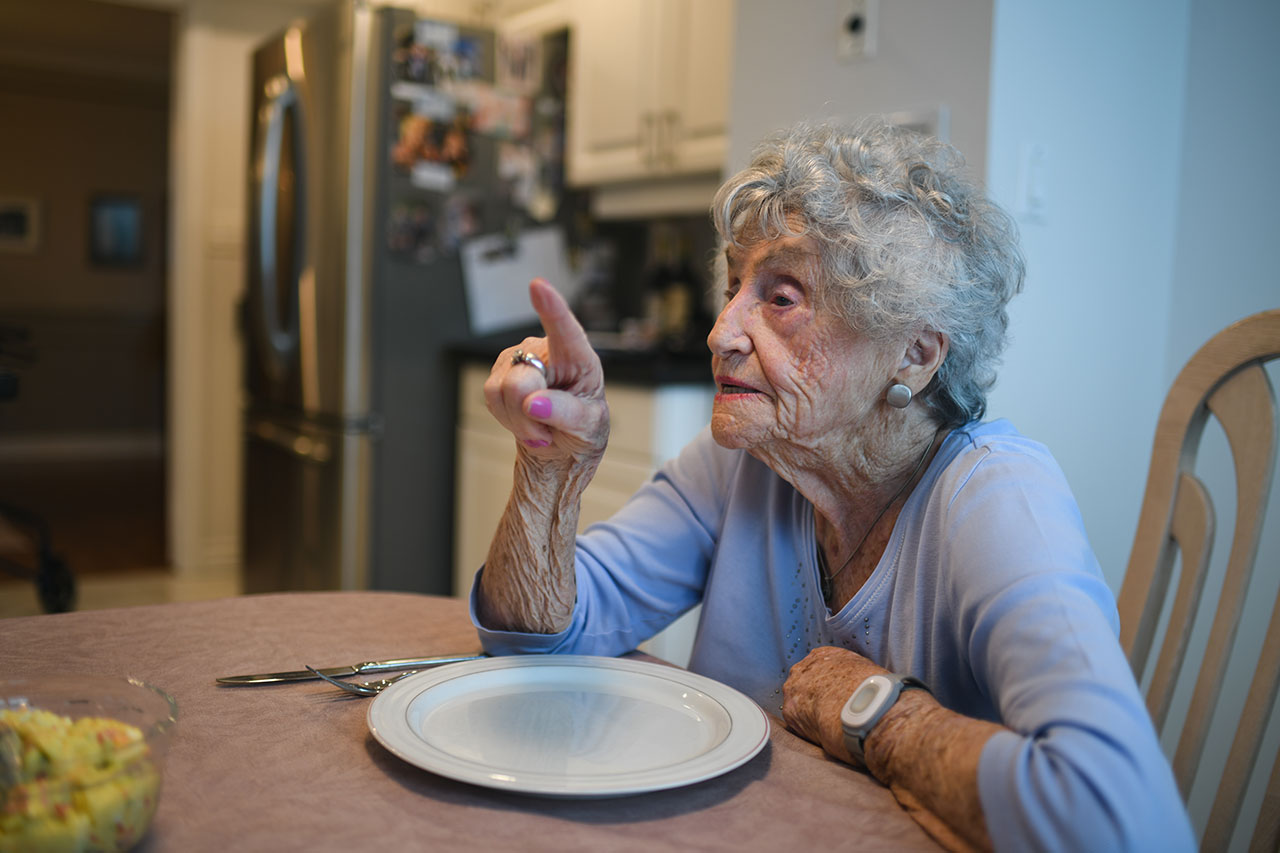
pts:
[293, 767]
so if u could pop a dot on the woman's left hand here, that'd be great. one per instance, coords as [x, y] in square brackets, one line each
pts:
[815, 692]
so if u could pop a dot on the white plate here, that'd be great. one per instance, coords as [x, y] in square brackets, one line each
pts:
[568, 725]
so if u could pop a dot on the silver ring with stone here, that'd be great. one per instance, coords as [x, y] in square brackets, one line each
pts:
[522, 357]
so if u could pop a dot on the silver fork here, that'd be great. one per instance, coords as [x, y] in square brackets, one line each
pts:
[364, 688]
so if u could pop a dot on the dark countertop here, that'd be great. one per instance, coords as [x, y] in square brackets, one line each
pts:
[637, 367]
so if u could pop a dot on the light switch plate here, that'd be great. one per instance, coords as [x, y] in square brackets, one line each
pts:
[856, 38]
[1032, 194]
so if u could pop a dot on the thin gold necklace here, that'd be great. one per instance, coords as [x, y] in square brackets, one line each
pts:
[827, 580]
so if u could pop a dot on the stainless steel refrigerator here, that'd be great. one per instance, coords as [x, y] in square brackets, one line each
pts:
[380, 144]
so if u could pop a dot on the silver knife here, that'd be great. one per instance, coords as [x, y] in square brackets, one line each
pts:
[352, 669]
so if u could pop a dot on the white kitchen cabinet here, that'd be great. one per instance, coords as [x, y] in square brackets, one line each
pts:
[649, 425]
[649, 89]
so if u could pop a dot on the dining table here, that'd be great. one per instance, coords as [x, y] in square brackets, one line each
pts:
[295, 766]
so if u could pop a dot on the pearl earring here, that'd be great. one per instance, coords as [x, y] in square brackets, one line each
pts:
[898, 396]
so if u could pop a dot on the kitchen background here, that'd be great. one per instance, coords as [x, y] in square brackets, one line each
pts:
[1131, 140]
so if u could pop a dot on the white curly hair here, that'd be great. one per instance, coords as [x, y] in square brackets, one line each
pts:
[906, 237]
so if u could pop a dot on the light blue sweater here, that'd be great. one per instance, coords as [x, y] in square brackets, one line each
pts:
[988, 591]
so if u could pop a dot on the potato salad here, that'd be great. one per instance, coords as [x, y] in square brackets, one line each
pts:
[74, 785]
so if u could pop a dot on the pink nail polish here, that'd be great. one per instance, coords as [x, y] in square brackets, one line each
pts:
[540, 407]
[535, 442]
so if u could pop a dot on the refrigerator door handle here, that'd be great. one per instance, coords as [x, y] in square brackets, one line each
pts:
[311, 448]
[280, 333]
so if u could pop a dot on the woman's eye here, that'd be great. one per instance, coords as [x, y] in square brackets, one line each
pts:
[781, 301]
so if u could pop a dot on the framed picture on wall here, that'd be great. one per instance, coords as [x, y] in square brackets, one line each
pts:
[115, 230]
[19, 224]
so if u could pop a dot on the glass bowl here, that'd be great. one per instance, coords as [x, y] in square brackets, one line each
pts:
[81, 758]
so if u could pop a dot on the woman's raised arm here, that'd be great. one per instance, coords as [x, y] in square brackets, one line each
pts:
[558, 415]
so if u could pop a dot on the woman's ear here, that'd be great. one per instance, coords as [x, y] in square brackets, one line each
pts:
[922, 359]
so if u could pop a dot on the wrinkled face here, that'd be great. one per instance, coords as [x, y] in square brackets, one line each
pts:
[788, 372]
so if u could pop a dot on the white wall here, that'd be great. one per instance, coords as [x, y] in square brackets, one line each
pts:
[1224, 258]
[1099, 85]
[930, 53]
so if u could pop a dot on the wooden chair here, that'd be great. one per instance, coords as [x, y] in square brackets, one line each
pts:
[1225, 378]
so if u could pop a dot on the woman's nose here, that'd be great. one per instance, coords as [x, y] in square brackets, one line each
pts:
[728, 335]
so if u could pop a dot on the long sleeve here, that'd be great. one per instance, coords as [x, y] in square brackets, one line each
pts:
[641, 569]
[1079, 766]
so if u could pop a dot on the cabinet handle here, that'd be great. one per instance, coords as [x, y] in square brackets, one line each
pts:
[649, 140]
[670, 138]
[660, 141]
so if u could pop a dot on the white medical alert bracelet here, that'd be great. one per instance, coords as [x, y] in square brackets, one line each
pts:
[874, 696]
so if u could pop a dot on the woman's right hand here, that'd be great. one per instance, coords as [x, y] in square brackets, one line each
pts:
[561, 425]
[562, 415]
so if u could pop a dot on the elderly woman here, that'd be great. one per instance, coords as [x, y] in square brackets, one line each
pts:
[848, 514]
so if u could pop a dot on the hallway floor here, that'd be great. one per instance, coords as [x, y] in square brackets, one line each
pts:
[107, 522]
[105, 517]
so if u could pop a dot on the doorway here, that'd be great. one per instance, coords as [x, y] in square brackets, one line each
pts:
[84, 164]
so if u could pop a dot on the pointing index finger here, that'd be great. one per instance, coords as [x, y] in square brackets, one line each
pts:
[566, 339]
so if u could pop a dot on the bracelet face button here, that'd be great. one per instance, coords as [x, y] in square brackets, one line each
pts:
[867, 701]
[861, 698]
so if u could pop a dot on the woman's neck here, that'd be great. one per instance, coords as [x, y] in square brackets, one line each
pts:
[858, 491]
[849, 478]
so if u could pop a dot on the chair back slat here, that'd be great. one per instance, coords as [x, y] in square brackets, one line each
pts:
[1266, 834]
[1192, 528]
[1258, 705]
[1245, 406]
[1254, 439]
[1146, 579]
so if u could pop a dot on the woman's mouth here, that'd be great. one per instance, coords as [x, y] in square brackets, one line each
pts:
[728, 386]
